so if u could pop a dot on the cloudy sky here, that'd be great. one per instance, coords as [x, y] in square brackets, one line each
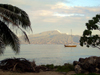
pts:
[62, 15]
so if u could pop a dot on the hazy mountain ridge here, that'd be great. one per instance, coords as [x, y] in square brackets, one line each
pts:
[51, 37]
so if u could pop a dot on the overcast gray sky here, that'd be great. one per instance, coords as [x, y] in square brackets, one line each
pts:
[62, 15]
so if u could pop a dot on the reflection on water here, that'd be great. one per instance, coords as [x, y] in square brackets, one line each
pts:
[51, 54]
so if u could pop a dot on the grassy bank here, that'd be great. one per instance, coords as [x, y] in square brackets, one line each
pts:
[64, 68]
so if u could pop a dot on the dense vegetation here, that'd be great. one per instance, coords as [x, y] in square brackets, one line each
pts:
[88, 38]
[64, 68]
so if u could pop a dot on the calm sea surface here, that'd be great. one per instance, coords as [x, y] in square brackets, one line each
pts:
[51, 54]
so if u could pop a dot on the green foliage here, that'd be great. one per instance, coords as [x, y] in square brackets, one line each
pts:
[50, 66]
[8, 37]
[88, 38]
[59, 68]
[65, 68]
[87, 32]
[12, 16]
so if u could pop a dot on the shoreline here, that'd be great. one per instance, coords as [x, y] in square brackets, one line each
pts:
[40, 73]
[21, 66]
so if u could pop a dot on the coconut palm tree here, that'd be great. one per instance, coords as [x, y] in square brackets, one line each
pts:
[12, 16]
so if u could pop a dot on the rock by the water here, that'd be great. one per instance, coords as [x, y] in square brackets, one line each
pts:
[78, 69]
[90, 64]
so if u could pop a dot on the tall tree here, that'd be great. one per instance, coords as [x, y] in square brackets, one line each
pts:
[12, 16]
[88, 38]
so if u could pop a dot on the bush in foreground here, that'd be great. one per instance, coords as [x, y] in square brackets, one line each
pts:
[16, 65]
[65, 68]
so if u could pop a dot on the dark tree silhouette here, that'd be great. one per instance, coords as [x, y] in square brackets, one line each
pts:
[12, 16]
[88, 38]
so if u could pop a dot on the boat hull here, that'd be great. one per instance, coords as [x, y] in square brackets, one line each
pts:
[70, 45]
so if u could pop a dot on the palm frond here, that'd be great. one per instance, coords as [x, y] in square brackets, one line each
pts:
[18, 16]
[2, 46]
[8, 37]
[25, 35]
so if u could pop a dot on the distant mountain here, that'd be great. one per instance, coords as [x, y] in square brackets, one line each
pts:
[52, 37]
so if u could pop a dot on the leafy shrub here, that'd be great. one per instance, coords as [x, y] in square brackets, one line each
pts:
[65, 68]
[50, 66]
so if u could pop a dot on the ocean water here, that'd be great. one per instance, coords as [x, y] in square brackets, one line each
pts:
[51, 54]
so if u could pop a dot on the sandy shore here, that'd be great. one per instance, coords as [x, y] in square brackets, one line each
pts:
[40, 73]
